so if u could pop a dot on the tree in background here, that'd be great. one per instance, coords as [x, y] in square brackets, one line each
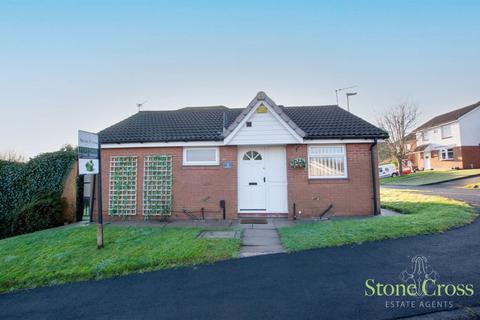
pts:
[12, 156]
[398, 121]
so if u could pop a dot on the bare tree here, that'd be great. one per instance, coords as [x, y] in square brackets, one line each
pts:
[12, 156]
[398, 121]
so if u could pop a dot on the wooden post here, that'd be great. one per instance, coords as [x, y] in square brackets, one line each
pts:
[99, 201]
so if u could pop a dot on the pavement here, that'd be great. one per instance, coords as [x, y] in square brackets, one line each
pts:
[259, 239]
[326, 283]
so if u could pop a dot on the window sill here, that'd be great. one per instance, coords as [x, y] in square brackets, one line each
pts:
[328, 180]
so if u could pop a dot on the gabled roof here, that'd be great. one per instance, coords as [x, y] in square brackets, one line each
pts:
[448, 117]
[261, 96]
[214, 123]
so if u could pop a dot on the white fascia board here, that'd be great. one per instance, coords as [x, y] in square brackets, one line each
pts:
[220, 143]
[162, 144]
[250, 114]
[338, 141]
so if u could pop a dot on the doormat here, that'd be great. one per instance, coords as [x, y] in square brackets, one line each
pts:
[254, 221]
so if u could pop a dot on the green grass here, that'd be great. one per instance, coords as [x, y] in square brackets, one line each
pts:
[422, 214]
[426, 177]
[69, 254]
[475, 185]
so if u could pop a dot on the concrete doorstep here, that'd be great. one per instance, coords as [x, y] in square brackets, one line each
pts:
[259, 240]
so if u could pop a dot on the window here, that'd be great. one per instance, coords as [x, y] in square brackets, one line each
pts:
[425, 135]
[327, 162]
[200, 156]
[446, 154]
[123, 186]
[252, 155]
[157, 185]
[249, 123]
[446, 131]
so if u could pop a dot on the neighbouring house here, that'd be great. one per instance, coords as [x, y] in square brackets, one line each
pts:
[264, 160]
[448, 141]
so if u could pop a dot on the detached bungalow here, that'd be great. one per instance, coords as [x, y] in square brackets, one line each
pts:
[265, 160]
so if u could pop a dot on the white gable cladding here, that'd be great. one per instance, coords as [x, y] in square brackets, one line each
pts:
[266, 129]
[470, 128]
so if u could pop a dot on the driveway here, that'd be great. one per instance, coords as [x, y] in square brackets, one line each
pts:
[315, 284]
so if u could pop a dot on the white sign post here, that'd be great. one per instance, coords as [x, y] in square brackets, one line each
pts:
[89, 163]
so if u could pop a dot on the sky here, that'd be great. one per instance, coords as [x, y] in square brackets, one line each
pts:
[70, 65]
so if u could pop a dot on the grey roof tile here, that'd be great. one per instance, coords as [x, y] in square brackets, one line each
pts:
[207, 123]
[448, 117]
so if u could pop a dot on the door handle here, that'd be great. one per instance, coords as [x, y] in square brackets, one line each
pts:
[252, 183]
[264, 179]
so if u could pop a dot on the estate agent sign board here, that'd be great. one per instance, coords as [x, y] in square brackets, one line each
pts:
[87, 153]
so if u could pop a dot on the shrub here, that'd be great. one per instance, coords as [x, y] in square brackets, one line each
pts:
[42, 212]
[20, 183]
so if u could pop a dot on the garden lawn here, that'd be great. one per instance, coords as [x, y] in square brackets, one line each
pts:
[475, 185]
[428, 177]
[422, 214]
[69, 254]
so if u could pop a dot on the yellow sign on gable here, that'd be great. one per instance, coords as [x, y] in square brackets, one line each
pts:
[262, 109]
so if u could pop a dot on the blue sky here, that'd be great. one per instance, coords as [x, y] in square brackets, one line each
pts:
[69, 65]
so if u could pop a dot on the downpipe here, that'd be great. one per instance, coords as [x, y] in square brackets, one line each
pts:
[376, 212]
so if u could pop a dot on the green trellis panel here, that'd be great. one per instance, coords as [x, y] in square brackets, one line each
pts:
[157, 185]
[123, 185]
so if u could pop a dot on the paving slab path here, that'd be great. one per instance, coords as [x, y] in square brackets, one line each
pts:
[259, 239]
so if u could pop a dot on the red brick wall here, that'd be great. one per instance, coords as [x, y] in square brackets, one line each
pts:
[470, 157]
[194, 187]
[463, 157]
[350, 196]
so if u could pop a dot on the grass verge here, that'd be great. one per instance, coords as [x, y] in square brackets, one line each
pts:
[422, 214]
[475, 185]
[427, 177]
[69, 254]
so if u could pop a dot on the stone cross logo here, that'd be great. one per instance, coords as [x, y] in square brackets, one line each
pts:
[418, 273]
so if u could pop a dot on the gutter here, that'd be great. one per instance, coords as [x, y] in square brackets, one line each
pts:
[376, 212]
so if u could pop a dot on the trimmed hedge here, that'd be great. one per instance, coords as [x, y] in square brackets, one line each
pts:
[20, 183]
[41, 213]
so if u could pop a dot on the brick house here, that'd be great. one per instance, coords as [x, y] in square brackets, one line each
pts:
[448, 141]
[264, 160]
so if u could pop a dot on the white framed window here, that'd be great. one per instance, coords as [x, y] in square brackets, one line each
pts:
[446, 131]
[208, 156]
[446, 154]
[327, 162]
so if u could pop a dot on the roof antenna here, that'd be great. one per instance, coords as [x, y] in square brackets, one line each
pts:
[341, 89]
[140, 105]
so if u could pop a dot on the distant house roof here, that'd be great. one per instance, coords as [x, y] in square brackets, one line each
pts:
[448, 117]
[422, 147]
[212, 123]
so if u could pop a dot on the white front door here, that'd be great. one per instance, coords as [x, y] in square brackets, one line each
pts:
[262, 179]
[426, 161]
